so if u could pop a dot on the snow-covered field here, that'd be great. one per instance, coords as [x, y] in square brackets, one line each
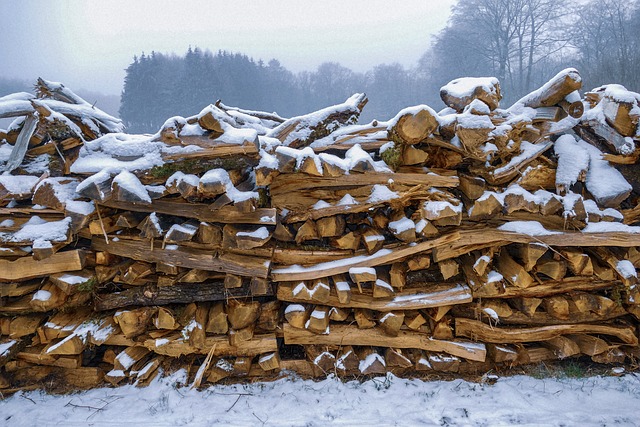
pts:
[517, 400]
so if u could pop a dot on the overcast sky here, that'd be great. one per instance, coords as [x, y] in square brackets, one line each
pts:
[87, 44]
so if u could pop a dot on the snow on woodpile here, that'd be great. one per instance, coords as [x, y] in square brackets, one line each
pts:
[607, 185]
[573, 161]
[243, 244]
[461, 92]
[118, 151]
[302, 130]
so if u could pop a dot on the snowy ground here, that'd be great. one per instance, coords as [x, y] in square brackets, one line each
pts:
[518, 400]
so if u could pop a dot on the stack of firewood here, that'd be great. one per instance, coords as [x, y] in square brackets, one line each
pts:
[237, 243]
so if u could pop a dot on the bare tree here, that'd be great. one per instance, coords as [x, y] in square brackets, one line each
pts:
[607, 38]
[509, 37]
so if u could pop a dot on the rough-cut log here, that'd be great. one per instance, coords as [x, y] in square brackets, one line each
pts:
[27, 268]
[186, 257]
[384, 256]
[459, 93]
[201, 212]
[554, 287]
[152, 295]
[479, 331]
[485, 237]
[413, 299]
[555, 90]
[294, 132]
[175, 346]
[413, 125]
[348, 335]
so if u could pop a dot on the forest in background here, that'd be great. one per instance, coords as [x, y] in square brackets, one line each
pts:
[522, 42]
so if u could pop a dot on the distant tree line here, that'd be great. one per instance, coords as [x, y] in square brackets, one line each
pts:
[158, 86]
[522, 42]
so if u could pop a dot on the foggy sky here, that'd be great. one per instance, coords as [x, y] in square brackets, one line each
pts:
[87, 44]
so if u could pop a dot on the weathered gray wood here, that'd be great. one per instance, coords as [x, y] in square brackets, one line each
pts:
[22, 143]
[180, 294]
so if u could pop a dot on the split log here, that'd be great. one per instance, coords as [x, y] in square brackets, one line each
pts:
[242, 314]
[371, 363]
[217, 322]
[296, 315]
[589, 344]
[364, 318]
[396, 359]
[413, 125]
[318, 321]
[270, 361]
[530, 254]
[562, 346]
[513, 272]
[382, 289]
[342, 288]
[391, 322]
[134, 322]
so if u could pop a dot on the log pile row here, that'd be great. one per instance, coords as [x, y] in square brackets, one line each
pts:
[237, 243]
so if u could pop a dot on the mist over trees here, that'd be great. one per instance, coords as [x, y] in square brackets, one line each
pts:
[522, 42]
[158, 86]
